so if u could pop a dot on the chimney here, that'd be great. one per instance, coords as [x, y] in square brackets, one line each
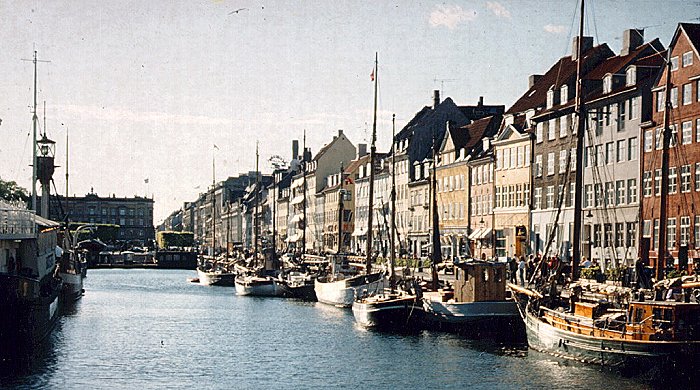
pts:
[340, 132]
[481, 101]
[631, 39]
[295, 149]
[436, 98]
[532, 80]
[361, 150]
[587, 44]
[307, 154]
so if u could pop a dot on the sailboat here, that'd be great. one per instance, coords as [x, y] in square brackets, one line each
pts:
[637, 333]
[256, 282]
[393, 309]
[340, 287]
[210, 271]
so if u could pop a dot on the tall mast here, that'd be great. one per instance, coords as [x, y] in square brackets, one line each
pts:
[35, 119]
[392, 259]
[580, 132]
[437, 255]
[372, 151]
[213, 202]
[257, 192]
[663, 200]
[340, 211]
[274, 212]
[66, 164]
[303, 222]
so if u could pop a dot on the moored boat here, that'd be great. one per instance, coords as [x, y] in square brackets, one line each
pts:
[299, 285]
[259, 286]
[215, 277]
[392, 311]
[340, 290]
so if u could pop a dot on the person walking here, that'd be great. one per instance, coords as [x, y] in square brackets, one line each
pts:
[521, 270]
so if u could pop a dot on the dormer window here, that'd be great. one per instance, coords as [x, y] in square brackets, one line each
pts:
[550, 97]
[631, 76]
[687, 59]
[564, 94]
[607, 83]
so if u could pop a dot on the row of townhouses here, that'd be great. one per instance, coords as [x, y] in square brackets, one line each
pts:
[505, 178]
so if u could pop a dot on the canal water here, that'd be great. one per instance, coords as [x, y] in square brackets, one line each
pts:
[151, 329]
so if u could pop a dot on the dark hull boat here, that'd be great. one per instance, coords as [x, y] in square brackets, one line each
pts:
[392, 312]
[495, 319]
[216, 277]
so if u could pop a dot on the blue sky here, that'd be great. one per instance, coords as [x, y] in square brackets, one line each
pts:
[146, 88]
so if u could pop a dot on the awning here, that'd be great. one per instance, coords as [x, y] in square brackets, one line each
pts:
[476, 233]
[484, 233]
[296, 218]
[359, 232]
[298, 199]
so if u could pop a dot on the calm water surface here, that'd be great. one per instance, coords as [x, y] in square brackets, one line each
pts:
[145, 329]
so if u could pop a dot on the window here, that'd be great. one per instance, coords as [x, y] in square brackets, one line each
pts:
[538, 165]
[608, 234]
[671, 233]
[697, 127]
[610, 194]
[562, 161]
[631, 76]
[499, 159]
[563, 126]
[657, 182]
[631, 235]
[551, 130]
[599, 155]
[687, 94]
[564, 94]
[685, 178]
[609, 152]
[550, 96]
[674, 136]
[598, 121]
[550, 164]
[598, 189]
[521, 156]
[621, 116]
[672, 180]
[632, 150]
[619, 235]
[588, 201]
[588, 157]
[572, 194]
[634, 108]
[697, 232]
[687, 59]
[631, 191]
[660, 101]
[646, 228]
[596, 236]
[685, 231]
[621, 150]
[550, 197]
[674, 97]
[697, 176]
[658, 138]
[620, 192]
[648, 136]
[646, 184]
[607, 83]
[687, 132]
[539, 132]
[538, 198]
[572, 164]
[674, 63]
[655, 238]
[506, 158]
[527, 155]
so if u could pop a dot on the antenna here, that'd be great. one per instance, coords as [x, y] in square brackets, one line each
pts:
[443, 81]
[34, 120]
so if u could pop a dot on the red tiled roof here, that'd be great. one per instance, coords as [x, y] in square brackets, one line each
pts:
[560, 73]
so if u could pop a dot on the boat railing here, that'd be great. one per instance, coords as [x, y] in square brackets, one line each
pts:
[16, 223]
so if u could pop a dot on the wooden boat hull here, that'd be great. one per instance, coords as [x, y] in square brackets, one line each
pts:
[499, 319]
[304, 292]
[396, 314]
[208, 278]
[342, 293]
[259, 287]
[626, 355]
[28, 316]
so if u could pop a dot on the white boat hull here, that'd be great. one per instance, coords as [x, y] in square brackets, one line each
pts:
[342, 293]
[259, 287]
[215, 278]
[72, 286]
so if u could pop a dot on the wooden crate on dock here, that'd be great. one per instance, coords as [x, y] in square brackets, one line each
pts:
[480, 281]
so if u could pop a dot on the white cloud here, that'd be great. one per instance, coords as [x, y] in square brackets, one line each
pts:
[498, 9]
[450, 16]
[555, 28]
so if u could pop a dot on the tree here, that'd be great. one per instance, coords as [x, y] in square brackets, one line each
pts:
[10, 191]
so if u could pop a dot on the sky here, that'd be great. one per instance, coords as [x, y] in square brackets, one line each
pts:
[146, 89]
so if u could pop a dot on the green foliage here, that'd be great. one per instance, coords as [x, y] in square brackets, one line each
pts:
[106, 233]
[10, 191]
[676, 274]
[615, 274]
[590, 273]
[167, 239]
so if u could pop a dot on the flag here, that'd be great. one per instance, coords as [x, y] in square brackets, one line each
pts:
[371, 76]
[145, 180]
[348, 180]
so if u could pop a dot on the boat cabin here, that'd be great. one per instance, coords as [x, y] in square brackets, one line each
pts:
[666, 320]
[480, 281]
